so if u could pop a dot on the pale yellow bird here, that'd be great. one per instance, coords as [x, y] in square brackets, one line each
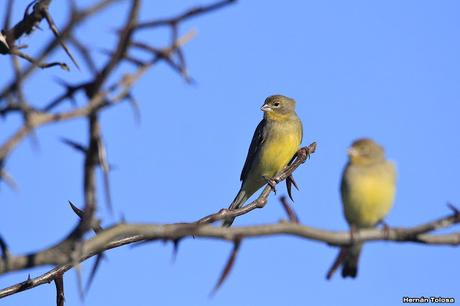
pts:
[368, 190]
[276, 139]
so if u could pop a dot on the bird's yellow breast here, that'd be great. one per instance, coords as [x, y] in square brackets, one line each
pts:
[282, 142]
[277, 153]
[368, 195]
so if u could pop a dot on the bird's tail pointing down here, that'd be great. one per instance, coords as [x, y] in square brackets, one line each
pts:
[350, 265]
[239, 200]
[348, 258]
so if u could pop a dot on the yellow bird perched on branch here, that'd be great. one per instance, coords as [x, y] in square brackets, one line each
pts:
[368, 190]
[276, 139]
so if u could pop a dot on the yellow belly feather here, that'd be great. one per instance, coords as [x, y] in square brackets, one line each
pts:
[277, 151]
[369, 197]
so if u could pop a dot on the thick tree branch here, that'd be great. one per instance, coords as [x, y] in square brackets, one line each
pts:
[123, 234]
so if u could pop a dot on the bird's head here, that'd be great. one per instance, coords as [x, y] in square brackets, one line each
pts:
[278, 107]
[365, 151]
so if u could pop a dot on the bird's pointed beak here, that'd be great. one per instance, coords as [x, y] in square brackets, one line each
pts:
[266, 108]
[352, 152]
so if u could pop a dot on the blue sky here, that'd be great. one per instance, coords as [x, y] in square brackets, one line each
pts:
[384, 69]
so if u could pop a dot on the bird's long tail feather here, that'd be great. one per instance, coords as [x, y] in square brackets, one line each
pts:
[348, 258]
[239, 200]
[350, 265]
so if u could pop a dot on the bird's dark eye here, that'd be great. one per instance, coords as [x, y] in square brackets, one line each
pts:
[276, 104]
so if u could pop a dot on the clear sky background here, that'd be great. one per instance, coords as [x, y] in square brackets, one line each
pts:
[389, 70]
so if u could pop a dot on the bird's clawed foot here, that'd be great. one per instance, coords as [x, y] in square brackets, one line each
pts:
[270, 182]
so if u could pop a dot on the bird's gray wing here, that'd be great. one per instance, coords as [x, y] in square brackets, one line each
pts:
[256, 144]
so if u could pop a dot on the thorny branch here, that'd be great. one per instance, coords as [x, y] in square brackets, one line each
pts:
[30, 21]
[101, 95]
[123, 234]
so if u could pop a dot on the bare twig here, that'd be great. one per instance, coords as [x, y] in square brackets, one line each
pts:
[56, 33]
[289, 211]
[228, 267]
[338, 262]
[187, 15]
[59, 282]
